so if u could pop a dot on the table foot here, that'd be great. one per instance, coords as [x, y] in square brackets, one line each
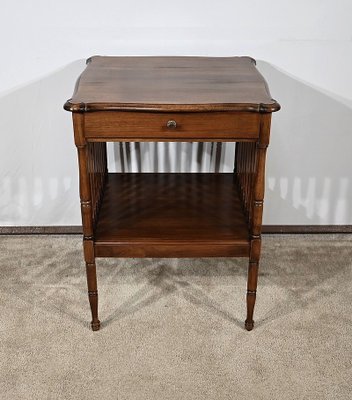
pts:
[95, 325]
[249, 325]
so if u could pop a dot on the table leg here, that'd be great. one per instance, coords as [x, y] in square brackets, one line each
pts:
[256, 214]
[251, 292]
[93, 294]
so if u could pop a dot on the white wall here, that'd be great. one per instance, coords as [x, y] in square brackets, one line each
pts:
[304, 48]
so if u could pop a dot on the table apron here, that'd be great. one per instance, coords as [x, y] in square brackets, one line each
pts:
[147, 126]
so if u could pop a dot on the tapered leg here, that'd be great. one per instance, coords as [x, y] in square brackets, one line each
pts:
[251, 293]
[93, 294]
[250, 173]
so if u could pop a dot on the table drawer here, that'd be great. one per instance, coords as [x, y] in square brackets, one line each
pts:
[147, 126]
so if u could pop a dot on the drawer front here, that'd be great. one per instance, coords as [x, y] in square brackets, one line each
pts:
[148, 126]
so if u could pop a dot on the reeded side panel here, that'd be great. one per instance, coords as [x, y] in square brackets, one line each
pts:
[245, 169]
[97, 170]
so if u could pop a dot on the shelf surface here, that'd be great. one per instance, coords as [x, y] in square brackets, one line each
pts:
[171, 214]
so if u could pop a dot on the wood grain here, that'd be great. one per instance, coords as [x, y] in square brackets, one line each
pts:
[229, 126]
[171, 84]
[194, 215]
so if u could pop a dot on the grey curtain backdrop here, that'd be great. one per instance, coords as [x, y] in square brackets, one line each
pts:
[171, 157]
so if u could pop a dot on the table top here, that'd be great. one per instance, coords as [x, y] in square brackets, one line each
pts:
[171, 84]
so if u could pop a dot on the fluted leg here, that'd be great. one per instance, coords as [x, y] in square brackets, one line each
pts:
[93, 294]
[251, 293]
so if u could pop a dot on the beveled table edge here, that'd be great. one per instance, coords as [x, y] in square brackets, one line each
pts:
[243, 107]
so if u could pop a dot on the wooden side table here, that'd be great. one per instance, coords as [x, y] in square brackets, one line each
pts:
[171, 214]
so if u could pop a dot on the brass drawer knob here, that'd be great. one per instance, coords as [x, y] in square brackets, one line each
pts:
[171, 124]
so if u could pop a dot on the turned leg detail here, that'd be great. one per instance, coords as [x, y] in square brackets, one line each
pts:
[251, 293]
[93, 294]
[92, 177]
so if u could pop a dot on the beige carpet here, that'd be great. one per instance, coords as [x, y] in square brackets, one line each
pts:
[173, 328]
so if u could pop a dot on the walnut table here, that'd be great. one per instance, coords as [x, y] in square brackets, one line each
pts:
[172, 99]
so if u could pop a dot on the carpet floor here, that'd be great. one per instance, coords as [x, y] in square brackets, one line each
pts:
[173, 328]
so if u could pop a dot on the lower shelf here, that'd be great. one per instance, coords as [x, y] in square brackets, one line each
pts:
[171, 215]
